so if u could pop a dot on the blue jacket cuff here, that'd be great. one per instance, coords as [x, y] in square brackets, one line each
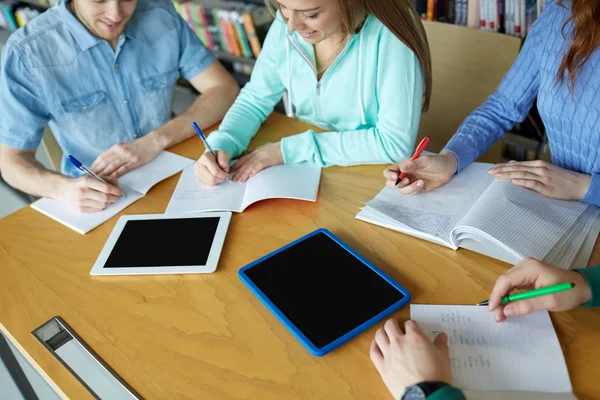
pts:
[593, 194]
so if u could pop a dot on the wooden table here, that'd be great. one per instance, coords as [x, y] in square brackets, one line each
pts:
[207, 336]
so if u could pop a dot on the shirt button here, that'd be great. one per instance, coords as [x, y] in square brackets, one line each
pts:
[116, 65]
[85, 108]
[136, 135]
[163, 85]
[125, 101]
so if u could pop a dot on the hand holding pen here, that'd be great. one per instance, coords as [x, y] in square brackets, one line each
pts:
[212, 167]
[88, 193]
[547, 288]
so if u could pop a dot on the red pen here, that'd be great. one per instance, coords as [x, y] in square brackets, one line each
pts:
[418, 152]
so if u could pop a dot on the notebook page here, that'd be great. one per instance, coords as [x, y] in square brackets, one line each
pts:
[192, 196]
[520, 354]
[163, 166]
[522, 219]
[80, 222]
[437, 212]
[290, 181]
[373, 216]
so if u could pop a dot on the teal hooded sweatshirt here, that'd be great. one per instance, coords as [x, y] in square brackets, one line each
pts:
[369, 100]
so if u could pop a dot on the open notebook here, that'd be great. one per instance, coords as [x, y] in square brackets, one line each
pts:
[292, 181]
[135, 185]
[489, 216]
[520, 358]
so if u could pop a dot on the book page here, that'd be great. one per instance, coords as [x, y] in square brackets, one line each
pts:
[437, 212]
[289, 181]
[520, 354]
[81, 222]
[163, 166]
[522, 219]
[192, 196]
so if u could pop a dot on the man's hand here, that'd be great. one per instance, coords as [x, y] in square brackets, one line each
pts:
[124, 157]
[406, 359]
[88, 195]
[545, 178]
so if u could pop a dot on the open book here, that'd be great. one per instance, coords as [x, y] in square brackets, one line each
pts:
[292, 181]
[135, 185]
[520, 358]
[489, 216]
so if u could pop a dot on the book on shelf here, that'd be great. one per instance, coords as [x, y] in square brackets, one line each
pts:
[223, 26]
[513, 17]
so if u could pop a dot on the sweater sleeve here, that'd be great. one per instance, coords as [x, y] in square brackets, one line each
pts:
[593, 194]
[507, 106]
[592, 277]
[400, 97]
[447, 393]
[255, 101]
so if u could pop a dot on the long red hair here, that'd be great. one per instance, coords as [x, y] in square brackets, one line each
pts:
[585, 37]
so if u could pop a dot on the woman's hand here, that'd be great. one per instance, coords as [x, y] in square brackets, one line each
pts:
[544, 178]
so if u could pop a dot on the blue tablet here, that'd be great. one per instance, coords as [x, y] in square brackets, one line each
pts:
[322, 290]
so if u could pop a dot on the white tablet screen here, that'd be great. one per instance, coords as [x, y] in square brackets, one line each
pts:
[163, 243]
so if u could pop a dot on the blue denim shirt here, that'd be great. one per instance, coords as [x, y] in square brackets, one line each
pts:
[55, 72]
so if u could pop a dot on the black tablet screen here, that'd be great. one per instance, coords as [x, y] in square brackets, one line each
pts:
[322, 288]
[164, 243]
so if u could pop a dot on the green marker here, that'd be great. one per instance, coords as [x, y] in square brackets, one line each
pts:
[561, 287]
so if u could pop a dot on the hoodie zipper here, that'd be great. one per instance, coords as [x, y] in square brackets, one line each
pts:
[314, 68]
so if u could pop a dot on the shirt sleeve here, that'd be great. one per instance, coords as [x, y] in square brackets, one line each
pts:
[23, 111]
[508, 105]
[593, 194]
[194, 57]
[592, 277]
[256, 99]
[400, 93]
[447, 393]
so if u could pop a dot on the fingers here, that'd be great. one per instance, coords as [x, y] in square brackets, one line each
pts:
[391, 173]
[204, 176]
[392, 183]
[411, 327]
[248, 168]
[523, 274]
[523, 307]
[414, 188]
[223, 160]
[441, 343]
[501, 167]
[499, 314]
[208, 160]
[383, 341]
[392, 329]
[376, 355]
[101, 187]
[532, 184]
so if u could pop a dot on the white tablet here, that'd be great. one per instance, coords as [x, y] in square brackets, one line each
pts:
[163, 244]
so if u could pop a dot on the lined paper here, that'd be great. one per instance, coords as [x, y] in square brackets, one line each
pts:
[520, 354]
[437, 212]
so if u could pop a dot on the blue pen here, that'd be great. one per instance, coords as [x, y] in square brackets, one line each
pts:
[81, 167]
[199, 132]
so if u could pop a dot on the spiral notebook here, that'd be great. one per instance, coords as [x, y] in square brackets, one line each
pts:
[489, 216]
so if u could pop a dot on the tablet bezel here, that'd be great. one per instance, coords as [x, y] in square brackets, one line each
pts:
[211, 263]
[312, 348]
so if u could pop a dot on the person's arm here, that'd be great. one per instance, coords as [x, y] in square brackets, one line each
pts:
[447, 393]
[23, 116]
[256, 100]
[400, 97]
[592, 277]
[217, 92]
[508, 105]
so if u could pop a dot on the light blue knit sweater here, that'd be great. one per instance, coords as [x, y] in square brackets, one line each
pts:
[572, 122]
